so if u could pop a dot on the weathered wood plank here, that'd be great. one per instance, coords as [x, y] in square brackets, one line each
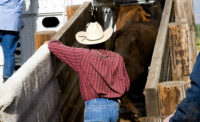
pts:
[179, 50]
[40, 68]
[184, 12]
[76, 109]
[153, 78]
[170, 94]
[43, 105]
[70, 104]
[21, 89]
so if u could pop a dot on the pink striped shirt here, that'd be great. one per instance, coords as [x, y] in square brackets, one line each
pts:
[99, 77]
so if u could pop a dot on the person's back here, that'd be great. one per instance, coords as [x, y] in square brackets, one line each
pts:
[103, 77]
[107, 75]
[98, 70]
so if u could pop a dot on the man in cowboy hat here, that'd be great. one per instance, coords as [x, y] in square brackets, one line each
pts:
[103, 77]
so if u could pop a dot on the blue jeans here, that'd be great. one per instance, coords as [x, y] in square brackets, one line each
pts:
[101, 110]
[9, 41]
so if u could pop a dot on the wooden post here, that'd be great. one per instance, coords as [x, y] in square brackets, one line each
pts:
[158, 60]
[41, 37]
[179, 50]
[184, 12]
[170, 94]
[70, 10]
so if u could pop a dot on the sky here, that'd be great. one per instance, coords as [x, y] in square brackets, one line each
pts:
[197, 11]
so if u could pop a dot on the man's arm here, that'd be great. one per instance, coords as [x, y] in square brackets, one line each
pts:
[70, 55]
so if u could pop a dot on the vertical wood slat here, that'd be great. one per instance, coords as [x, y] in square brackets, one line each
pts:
[77, 109]
[184, 12]
[179, 50]
[70, 101]
[152, 106]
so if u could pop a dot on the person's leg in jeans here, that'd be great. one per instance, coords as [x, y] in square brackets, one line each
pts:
[101, 110]
[9, 45]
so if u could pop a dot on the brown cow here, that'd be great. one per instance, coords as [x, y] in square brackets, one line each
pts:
[126, 12]
[135, 43]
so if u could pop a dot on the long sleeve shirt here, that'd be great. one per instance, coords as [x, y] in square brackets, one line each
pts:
[189, 109]
[104, 77]
[10, 15]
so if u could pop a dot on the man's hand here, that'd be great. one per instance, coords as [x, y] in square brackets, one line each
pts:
[168, 118]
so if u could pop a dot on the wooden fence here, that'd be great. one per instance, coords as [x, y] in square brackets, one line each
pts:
[161, 69]
[34, 94]
[45, 89]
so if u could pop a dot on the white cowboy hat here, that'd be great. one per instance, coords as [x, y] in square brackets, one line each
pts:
[94, 34]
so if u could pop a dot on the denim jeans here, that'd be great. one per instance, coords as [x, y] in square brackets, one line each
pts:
[101, 110]
[9, 41]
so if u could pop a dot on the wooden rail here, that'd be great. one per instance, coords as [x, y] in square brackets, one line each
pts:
[33, 94]
[70, 99]
[159, 69]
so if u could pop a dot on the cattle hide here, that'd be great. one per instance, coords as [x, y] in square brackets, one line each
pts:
[128, 11]
[134, 40]
[135, 43]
